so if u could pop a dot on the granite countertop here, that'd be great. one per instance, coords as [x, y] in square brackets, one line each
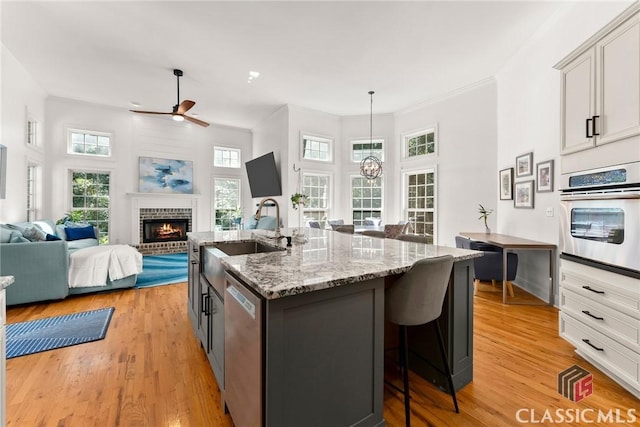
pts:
[5, 281]
[328, 259]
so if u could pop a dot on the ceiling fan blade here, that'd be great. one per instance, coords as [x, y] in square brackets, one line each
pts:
[148, 112]
[185, 106]
[196, 121]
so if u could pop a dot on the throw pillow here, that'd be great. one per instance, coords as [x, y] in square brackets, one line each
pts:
[34, 234]
[267, 223]
[17, 237]
[51, 237]
[251, 223]
[77, 233]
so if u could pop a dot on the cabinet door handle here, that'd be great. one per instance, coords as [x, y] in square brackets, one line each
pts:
[587, 127]
[593, 126]
[207, 305]
[586, 341]
[194, 262]
[591, 315]
[592, 290]
[203, 299]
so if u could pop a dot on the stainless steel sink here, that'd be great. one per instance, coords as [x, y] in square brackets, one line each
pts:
[213, 269]
[244, 248]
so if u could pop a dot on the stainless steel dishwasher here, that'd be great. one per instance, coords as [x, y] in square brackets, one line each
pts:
[243, 350]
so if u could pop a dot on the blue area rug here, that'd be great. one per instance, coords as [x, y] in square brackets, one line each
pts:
[39, 335]
[162, 270]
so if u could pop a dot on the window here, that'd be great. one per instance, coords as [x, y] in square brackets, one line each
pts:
[32, 192]
[420, 197]
[90, 196]
[316, 148]
[226, 157]
[89, 143]
[365, 147]
[32, 129]
[366, 199]
[420, 143]
[316, 186]
[226, 203]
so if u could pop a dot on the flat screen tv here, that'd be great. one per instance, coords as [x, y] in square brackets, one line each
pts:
[264, 178]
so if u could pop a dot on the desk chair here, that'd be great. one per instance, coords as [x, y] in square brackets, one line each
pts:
[373, 233]
[414, 238]
[416, 299]
[345, 228]
[489, 266]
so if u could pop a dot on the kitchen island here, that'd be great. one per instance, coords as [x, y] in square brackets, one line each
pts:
[303, 327]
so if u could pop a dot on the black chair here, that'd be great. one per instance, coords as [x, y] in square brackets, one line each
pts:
[416, 298]
[314, 224]
[489, 266]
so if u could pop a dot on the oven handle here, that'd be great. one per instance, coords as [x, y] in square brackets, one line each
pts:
[601, 195]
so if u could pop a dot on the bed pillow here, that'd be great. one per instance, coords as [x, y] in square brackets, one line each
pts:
[77, 233]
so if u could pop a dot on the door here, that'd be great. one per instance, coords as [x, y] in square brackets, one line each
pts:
[618, 94]
[578, 103]
[215, 336]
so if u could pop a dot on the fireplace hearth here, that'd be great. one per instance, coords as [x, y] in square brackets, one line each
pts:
[164, 230]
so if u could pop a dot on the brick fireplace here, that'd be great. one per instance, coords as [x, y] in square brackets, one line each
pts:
[164, 230]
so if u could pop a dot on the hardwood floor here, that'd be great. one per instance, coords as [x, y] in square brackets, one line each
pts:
[151, 371]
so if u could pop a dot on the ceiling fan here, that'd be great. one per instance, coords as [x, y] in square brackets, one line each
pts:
[180, 108]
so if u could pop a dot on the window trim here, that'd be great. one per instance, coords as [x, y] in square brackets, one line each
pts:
[33, 196]
[352, 142]
[330, 190]
[405, 201]
[422, 131]
[310, 135]
[73, 170]
[382, 196]
[70, 151]
[225, 148]
[214, 208]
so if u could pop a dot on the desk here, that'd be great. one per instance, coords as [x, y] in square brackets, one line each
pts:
[510, 242]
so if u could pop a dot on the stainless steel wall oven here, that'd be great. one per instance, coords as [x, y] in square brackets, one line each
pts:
[600, 218]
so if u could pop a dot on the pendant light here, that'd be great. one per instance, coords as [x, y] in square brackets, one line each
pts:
[371, 166]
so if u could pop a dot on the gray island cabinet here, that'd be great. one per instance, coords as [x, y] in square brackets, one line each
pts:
[304, 329]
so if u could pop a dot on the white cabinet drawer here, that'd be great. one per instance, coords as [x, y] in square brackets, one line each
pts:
[617, 358]
[622, 293]
[612, 323]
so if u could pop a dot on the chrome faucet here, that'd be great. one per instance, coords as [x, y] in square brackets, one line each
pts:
[277, 236]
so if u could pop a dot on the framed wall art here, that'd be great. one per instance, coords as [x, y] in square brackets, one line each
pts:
[165, 176]
[506, 184]
[524, 165]
[523, 194]
[544, 176]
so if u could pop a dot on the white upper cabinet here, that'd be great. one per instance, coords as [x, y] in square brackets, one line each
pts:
[601, 87]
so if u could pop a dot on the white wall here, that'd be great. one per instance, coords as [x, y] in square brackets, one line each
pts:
[21, 96]
[466, 170]
[272, 135]
[528, 120]
[132, 136]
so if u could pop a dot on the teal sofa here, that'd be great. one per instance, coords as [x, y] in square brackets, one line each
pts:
[41, 267]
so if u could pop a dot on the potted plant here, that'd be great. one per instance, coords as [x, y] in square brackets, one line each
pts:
[484, 214]
[299, 199]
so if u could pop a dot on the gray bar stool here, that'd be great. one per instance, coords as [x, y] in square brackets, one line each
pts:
[416, 299]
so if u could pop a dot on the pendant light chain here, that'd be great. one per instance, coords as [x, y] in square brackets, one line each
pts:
[371, 166]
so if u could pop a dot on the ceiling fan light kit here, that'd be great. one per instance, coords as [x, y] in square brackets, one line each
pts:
[179, 110]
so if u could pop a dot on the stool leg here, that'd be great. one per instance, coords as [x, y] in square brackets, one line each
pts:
[446, 366]
[404, 362]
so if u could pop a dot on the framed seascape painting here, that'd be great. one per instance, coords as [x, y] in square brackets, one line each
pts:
[524, 165]
[523, 194]
[165, 176]
[506, 184]
[544, 174]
